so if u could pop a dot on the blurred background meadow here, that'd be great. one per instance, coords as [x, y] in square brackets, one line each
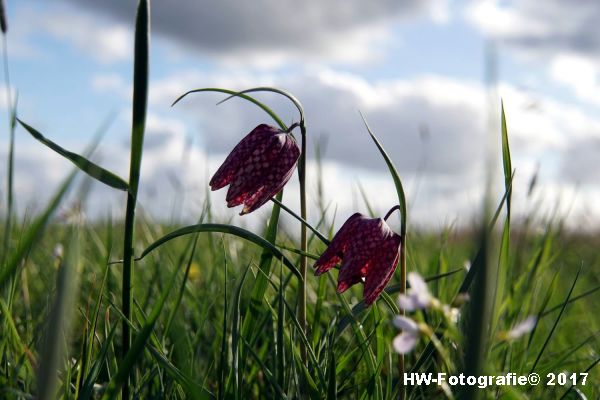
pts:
[429, 76]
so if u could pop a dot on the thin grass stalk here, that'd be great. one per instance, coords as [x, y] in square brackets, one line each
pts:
[401, 367]
[303, 241]
[11, 129]
[140, 99]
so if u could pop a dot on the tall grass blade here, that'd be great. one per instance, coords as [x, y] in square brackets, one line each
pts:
[504, 273]
[87, 389]
[138, 121]
[138, 345]
[11, 164]
[302, 221]
[235, 337]
[90, 168]
[267, 373]
[560, 314]
[33, 233]
[57, 332]
[403, 225]
[395, 178]
[223, 357]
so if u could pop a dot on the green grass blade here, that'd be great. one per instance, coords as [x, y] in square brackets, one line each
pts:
[33, 232]
[572, 300]
[504, 272]
[586, 371]
[302, 221]
[140, 91]
[138, 127]
[267, 373]
[280, 346]
[138, 345]
[90, 168]
[235, 336]
[87, 389]
[506, 160]
[10, 167]
[223, 228]
[395, 177]
[59, 320]
[193, 390]
[223, 356]
[265, 108]
[560, 314]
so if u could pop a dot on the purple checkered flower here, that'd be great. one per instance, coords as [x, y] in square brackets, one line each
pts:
[368, 251]
[257, 168]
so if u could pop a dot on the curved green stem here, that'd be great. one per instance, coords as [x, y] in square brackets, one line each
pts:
[302, 221]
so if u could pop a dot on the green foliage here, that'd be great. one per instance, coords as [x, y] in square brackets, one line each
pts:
[224, 319]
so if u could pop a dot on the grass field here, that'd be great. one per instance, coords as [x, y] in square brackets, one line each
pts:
[131, 308]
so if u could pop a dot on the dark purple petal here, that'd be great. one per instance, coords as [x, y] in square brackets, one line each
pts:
[335, 250]
[250, 176]
[276, 175]
[240, 154]
[383, 267]
[352, 271]
[368, 250]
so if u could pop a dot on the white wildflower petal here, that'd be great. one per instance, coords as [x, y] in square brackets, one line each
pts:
[417, 283]
[522, 328]
[405, 342]
[407, 303]
[58, 251]
[467, 265]
[406, 324]
[419, 291]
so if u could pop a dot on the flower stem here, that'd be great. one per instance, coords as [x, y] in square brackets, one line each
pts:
[397, 207]
[303, 241]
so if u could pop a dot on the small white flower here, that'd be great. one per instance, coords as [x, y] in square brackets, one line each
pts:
[406, 324]
[417, 297]
[452, 313]
[522, 328]
[407, 339]
[58, 251]
[467, 265]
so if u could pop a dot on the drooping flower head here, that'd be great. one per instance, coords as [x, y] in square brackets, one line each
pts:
[257, 168]
[367, 249]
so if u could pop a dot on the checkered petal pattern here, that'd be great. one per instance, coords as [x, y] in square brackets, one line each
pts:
[257, 168]
[368, 251]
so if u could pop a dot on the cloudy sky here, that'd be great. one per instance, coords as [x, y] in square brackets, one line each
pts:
[428, 75]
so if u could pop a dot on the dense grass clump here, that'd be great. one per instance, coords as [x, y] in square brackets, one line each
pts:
[132, 308]
[196, 347]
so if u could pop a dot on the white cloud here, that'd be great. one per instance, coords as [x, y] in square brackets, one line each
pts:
[105, 42]
[111, 83]
[579, 74]
[434, 128]
[97, 36]
[561, 36]
[268, 33]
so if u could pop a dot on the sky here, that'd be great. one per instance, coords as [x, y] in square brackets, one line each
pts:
[427, 75]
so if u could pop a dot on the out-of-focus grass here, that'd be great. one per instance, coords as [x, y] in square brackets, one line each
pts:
[204, 353]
